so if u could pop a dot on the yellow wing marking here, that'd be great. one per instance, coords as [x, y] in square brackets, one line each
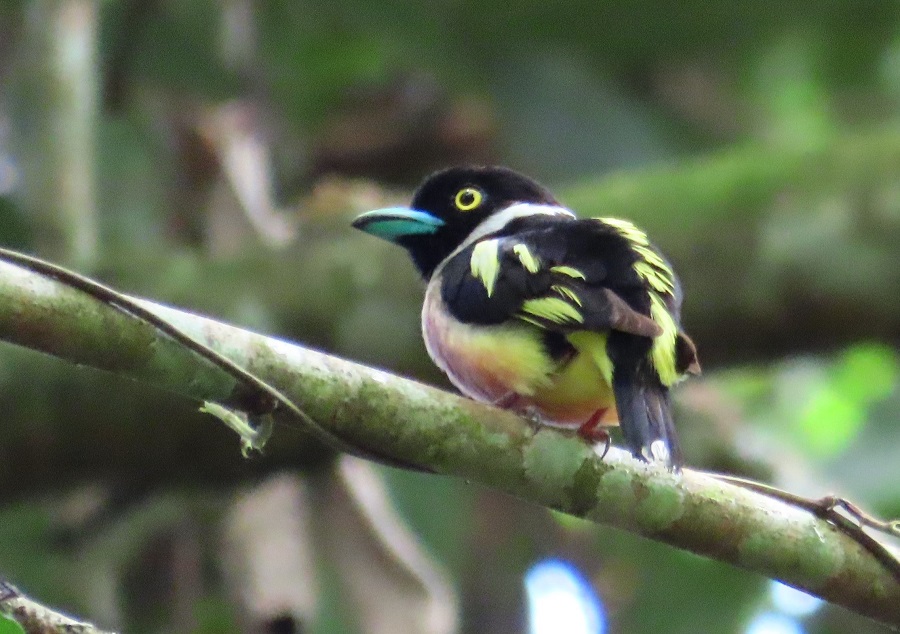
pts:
[553, 309]
[528, 260]
[533, 322]
[627, 229]
[567, 292]
[485, 264]
[651, 257]
[562, 269]
[594, 344]
[660, 282]
[663, 351]
[658, 275]
[651, 267]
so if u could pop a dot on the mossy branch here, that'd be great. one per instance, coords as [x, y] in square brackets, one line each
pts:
[35, 618]
[414, 424]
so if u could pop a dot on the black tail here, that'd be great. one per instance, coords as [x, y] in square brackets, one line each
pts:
[645, 416]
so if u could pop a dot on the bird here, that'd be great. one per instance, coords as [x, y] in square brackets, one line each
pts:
[572, 322]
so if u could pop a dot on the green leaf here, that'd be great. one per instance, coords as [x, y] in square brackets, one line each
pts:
[8, 626]
[867, 373]
[830, 421]
[838, 408]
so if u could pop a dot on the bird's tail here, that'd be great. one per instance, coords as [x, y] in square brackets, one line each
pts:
[645, 416]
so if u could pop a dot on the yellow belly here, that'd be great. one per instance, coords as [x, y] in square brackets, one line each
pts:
[581, 386]
[509, 363]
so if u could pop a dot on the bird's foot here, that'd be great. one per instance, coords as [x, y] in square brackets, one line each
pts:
[510, 400]
[515, 403]
[532, 416]
[594, 433]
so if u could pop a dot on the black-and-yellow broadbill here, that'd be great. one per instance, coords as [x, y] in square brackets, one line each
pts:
[573, 322]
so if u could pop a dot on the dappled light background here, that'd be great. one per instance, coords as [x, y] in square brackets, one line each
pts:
[210, 154]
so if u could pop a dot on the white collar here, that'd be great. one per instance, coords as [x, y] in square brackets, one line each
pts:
[496, 222]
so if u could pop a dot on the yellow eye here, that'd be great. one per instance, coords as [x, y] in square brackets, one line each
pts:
[468, 198]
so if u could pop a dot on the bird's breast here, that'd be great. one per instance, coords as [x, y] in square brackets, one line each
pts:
[496, 362]
[484, 362]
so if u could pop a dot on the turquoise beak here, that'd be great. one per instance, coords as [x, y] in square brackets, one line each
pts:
[395, 223]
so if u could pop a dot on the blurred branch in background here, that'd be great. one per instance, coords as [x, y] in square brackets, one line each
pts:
[58, 97]
[398, 130]
[416, 425]
[280, 534]
[268, 556]
[233, 132]
[391, 583]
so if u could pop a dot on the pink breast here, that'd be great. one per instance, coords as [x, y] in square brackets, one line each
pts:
[484, 362]
[468, 362]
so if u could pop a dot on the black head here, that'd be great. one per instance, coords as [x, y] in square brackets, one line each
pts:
[447, 207]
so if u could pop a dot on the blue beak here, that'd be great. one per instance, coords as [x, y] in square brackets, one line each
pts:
[395, 223]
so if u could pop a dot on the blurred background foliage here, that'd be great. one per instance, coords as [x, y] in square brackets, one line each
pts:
[210, 153]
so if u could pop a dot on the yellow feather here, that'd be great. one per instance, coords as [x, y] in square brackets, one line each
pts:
[627, 229]
[652, 257]
[567, 292]
[593, 344]
[553, 309]
[533, 322]
[583, 382]
[663, 351]
[518, 354]
[485, 264]
[654, 270]
[568, 270]
[529, 261]
[651, 267]
[658, 280]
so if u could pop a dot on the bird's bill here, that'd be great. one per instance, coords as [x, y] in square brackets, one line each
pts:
[395, 223]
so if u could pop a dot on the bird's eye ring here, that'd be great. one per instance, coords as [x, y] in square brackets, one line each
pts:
[468, 198]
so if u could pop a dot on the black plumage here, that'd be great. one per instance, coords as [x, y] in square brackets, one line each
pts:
[589, 305]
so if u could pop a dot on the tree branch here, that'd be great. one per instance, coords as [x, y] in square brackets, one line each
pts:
[418, 425]
[39, 619]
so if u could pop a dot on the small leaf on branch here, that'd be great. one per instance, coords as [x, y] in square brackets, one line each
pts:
[253, 437]
[19, 613]
[8, 626]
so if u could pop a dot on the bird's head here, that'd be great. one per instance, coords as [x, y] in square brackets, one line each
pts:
[456, 206]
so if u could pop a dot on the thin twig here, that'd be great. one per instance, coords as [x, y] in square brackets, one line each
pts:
[888, 527]
[39, 619]
[828, 508]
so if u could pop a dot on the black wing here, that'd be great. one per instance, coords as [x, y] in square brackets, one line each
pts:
[595, 274]
[564, 276]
